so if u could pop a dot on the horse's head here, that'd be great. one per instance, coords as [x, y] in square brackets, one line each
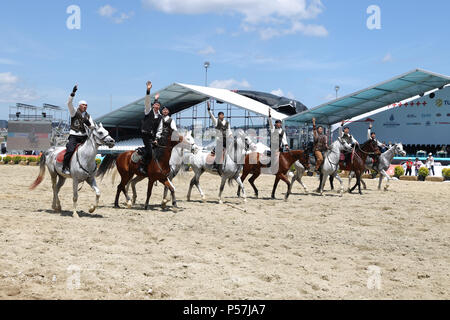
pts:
[398, 149]
[344, 145]
[188, 141]
[371, 146]
[100, 136]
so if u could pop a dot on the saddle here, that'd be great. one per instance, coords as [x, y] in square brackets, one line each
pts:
[138, 155]
[60, 156]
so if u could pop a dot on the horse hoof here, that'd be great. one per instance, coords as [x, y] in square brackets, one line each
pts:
[91, 209]
[75, 215]
[203, 199]
[129, 204]
[220, 202]
[245, 200]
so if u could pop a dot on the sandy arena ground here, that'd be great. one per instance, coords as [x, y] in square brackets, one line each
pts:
[311, 247]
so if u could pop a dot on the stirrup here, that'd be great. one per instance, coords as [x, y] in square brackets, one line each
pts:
[66, 171]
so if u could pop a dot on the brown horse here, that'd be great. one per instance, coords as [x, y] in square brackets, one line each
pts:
[358, 161]
[158, 170]
[253, 166]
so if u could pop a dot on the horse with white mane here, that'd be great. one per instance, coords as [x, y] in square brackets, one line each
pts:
[82, 168]
[383, 164]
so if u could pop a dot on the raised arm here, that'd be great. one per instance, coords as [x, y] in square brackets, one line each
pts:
[369, 131]
[72, 110]
[148, 106]
[213, 119]
[314, 128]
[270, 122]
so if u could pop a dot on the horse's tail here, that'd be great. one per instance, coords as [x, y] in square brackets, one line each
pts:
[41, 173]
[109, 161]
[113, 176]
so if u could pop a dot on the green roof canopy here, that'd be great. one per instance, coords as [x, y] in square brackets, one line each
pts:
[394, 90]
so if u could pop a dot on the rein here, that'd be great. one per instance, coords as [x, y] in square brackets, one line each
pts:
[368, 153]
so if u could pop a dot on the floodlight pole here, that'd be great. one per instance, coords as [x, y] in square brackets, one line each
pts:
[206, 65]
[337, 89]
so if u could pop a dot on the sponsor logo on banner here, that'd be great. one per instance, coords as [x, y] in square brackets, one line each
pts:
[426, 115]
[391, 122]
[411, 116]
[428, 123]
[414, 124]
[438, 115]
[439, 102]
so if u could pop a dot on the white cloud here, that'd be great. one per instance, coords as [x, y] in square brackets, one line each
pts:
[230, 84]
[207, 51]
[7, 61]
[110, 13]
[10, 91]
[107, 11]
[387, 58]
[268, 17]
[278, 92]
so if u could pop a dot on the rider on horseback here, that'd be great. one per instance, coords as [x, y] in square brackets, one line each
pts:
[151, 128]
[320, 144]
[169, 128]
[347, 137]
[372, 136]
[279, 133]
[78, 118]
[223, 130]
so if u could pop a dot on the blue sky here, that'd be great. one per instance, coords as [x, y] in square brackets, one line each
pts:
[297, 48]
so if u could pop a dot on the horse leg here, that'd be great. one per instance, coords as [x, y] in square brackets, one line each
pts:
[299, 179]
[384, 174]
[323, 179]
[341, 190]
[61, 181]
[350, 177]
[243, 177]
[197, 184]
[275, 184]
[359, 183]
[93, 185]
[331, 182]
[75, 197]
[168, 184]
[241, 185]
[133, 188]
[54, 177]
[364, 184]
[286, 180]
[149, 192]
[320, 183]
[222, 186]
[252, 183]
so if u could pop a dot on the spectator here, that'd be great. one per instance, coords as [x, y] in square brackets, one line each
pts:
[430, 163]
[417, 165]
[409, 165]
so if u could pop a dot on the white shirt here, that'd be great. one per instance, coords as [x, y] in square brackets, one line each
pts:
[72, 112]
[341, 134]
[173, 126]
[430, 162]
[216, 121]
[369, 132]
[278, 131]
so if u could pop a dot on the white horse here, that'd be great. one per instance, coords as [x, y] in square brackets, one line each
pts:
[383, 164]
[82, 167]
[331, 163]
[200, 162]
[298, 175]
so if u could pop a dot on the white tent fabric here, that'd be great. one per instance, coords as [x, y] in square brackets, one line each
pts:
[236, 99]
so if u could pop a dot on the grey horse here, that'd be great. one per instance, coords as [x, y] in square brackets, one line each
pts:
[331, 163]
[231, 167]
[383, 165]
[82, 167]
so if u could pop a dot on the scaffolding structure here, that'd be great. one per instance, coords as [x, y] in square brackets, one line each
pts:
[58, 116]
